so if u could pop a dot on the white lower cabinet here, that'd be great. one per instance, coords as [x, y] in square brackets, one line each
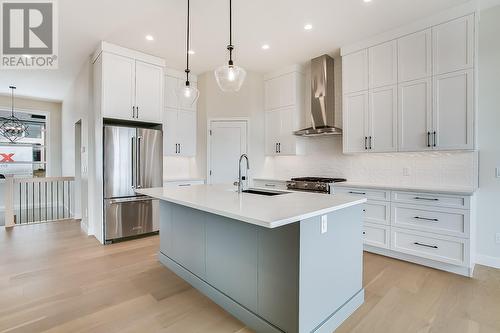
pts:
[444, 221]
[431, 229]
[376, 235]
[269, 184]
[441, 248]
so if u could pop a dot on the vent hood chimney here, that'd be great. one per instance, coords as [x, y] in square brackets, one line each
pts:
[322, 99]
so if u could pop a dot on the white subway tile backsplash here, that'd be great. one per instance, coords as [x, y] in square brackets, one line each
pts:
[324, 157]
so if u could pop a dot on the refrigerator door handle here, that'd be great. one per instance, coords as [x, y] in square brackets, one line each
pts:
[132, 160]
[134, 199]
[138, 177]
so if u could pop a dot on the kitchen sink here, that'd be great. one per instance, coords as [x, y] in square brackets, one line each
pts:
[263, 192]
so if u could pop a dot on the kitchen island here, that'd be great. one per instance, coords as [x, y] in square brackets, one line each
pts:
[279, 262]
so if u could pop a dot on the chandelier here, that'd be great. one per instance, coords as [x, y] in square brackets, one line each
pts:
[11, 127]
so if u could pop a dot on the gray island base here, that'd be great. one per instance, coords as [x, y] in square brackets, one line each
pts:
[292, 278]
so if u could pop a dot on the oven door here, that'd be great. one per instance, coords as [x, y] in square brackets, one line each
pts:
[126, 217]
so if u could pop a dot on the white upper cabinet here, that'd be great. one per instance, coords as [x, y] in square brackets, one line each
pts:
[415, 56]
[356, 121]
[355, 72]
[419, 85]
[453, 45]
[171, 85]
[383, 65]
[186, 133]
[179, 122]
[283, 102]
[131, 89]
[281, 91]
[148, 91]
[118, 75]
[170, 142]
[383, 120]
[415, 115]
[453, 115]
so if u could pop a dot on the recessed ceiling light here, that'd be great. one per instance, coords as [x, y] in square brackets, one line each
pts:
[367, 1]
[308, 27]
[150, 38]
[265, 47]
[191, 52]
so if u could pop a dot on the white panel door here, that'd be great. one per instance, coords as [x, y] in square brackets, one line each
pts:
[415, 56]
[383, 110]
[453, 45]
[170, 132]
[148, 92]
[355, 72]
[118, 96]
[355, 122]
[227, 142]
[287, 90]
[186, 133]
[383, 65]
[453, 115]
[272, 94]
[273, 128]
[171, 84]
[415, 115]
[287, 140]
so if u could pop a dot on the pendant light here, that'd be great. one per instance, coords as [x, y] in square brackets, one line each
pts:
[11, 127]
[230, 77]
[187, 94]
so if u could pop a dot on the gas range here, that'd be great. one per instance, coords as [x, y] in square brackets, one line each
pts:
[313, 184]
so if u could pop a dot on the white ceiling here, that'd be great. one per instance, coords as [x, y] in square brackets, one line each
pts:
[279, 23]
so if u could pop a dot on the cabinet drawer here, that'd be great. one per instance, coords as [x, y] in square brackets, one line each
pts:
[377, 212]
[185, 183]
[376, 235]
[270, 184]
[453, 222]
[430, 199]
[431, 246]
[366, 193]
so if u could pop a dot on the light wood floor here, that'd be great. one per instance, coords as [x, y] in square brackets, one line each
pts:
[53, 278]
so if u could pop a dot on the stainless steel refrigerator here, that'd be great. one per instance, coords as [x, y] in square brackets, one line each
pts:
[132, 160]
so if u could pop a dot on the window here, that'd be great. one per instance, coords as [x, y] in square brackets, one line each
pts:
[27, 156]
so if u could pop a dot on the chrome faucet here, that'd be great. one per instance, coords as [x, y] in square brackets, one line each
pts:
[240, 185]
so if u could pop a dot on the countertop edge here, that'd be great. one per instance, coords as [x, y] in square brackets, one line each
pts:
[266, 224]
[404, 188]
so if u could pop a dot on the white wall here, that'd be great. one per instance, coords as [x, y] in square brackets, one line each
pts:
[488, 196]
[77, 106]
[247, 103]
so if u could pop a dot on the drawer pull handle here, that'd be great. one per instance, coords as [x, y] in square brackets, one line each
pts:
[425, 245]
[184, 184]
[426, 219]
[270, 185]
[361, 193]
[428, 199]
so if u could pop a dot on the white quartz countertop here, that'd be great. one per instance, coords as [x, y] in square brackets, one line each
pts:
[458, 190]
[265, 211]
[454, 190]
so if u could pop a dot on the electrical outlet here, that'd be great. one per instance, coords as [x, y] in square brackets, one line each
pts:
[497, 237]
[406, 172]
[324, 224]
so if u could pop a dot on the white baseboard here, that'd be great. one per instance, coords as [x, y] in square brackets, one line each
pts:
[484, 260]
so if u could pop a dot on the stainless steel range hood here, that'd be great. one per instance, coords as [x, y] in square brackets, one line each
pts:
[322, 99]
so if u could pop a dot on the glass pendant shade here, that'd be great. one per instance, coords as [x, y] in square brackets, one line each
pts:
[230, 78]
[187, 95]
